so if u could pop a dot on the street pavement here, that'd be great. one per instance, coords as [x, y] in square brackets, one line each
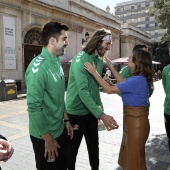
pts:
[14, 125]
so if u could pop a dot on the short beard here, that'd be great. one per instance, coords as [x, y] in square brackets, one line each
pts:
[99, 48]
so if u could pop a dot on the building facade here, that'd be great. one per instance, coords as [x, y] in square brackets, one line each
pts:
[136, 12]
[130, 37]
[21, 22]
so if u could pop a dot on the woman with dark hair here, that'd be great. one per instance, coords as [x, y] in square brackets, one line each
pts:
[83, 102]
[134, 92]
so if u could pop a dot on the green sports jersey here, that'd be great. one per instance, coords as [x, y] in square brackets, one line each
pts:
[45, 83]
[83, 94]
[166, 86]
[125, 72]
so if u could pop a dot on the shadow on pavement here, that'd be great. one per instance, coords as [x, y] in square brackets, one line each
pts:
[157, 152]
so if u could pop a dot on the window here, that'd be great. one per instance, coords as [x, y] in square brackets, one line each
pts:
[139, 5]
[147, 4]
[156, 32]
[156, 24]
[139, 12]
[118, 9]
[132, 13]
[124, 21]
[124, 8]
[132, 7]
[124, 15]
[33, 37]
[147, 26]
[147, 19]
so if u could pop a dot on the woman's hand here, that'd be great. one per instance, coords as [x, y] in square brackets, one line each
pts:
[90, 68]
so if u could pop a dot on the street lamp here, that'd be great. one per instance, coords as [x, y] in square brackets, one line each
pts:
[87, 36]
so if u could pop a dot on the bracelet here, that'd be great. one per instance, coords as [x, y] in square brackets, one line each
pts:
[66, 120]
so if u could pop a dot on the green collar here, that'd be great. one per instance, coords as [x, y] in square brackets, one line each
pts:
[48, 56]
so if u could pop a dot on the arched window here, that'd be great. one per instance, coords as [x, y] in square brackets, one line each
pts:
[33, 37]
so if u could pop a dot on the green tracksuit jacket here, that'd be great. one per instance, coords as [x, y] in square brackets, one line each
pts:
[45, 83]
[83, 95]
[166, 86]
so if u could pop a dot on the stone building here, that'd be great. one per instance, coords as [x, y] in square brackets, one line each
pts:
[136, 12]
[21, 22]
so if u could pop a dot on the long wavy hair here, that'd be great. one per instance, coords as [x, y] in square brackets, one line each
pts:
[96, 38]
[143, 65]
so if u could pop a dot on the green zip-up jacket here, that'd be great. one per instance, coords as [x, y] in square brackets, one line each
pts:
[45, 83]
[166, 86]
[83, 95]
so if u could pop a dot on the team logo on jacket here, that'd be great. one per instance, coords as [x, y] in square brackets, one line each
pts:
[57, 75]
[79, 56]
[36, 64]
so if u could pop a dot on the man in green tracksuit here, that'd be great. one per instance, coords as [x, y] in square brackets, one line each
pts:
[83, 101]
[166, 86]
[45, 83]
[125, 72]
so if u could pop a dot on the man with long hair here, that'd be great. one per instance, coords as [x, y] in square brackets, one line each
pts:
[83, 102]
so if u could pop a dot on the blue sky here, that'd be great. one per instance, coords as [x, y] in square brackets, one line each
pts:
[103, 3]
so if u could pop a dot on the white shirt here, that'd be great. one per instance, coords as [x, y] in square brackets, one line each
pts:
[108, 72]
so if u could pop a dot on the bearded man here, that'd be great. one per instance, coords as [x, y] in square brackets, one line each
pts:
[83, 102]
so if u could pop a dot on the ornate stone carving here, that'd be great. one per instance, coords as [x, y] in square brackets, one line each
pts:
[76, 28]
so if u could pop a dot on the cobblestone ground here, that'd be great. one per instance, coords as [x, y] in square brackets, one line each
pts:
[14, 125]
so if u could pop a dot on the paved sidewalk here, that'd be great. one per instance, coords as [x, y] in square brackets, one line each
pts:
[14, 125]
